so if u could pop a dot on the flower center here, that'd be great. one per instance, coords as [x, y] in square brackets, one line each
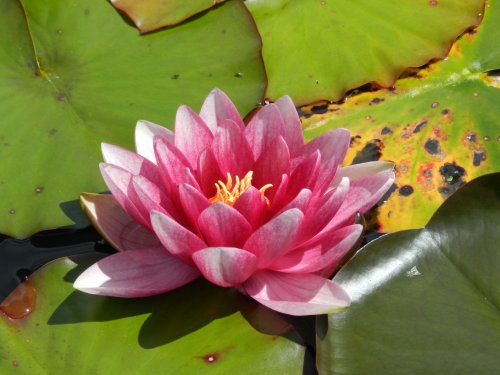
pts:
[227, 193]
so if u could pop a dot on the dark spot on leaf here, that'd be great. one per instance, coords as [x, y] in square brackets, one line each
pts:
[59, 31]
[238, 74]
[406, 190]
[387, 194]
[432, 146]
[368, 117]
[419, 126]
[471, 137]
[435, 105]
[12, 211]
[211, 358]
[445, 112]
[223, 31]
[61, 96]
[452, 173]
[486, 138]
[319, 109]
[478, 158]
[385, 130]
[376, 101]
[15, 363]
[371, 152]
[452, 176]
[498, 138]
[39, 189]
[86, 11]
[355, 139]
[174, 76]
[52, 131]
[433, 3]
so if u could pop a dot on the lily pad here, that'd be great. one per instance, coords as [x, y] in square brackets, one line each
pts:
[320, 49]
[198, 329]
[74, 74]
[439, 125]
[150, 15]
[424, 301]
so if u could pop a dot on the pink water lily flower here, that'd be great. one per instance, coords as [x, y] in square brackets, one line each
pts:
[252, 207]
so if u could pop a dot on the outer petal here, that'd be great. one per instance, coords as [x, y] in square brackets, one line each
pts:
[130, 161]
[333, 144]
[263, 128]
[119, 182]
[363, 194]
[296, 294]
[135, 273]
[357, 171]
[192, 135]
[222, 225]
[216, 108]
[175, 238]
[275, 237]
[324, 253]
[145, 131]
[115, 225]
[305, 175]
[231, 149]
[293, 129]
[225, 266]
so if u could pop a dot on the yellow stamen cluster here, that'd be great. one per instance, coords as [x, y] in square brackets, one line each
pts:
[227, 193]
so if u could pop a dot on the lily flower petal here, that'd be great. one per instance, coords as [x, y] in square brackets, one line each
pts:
[225, 266]
[216, 108]
[293, 129]
[136, 273]
[145, 132]
[296, 294]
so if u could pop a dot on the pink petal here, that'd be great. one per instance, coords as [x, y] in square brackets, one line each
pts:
[173, 166]
[301, 201]
[296, 294]
[305, 175]
[192, 135]
[357, 171]
[130, 161]
[135, 273]
[252, 205]
[275, 238]
[175, 238]
[231, 150]
[293, 128]
[153, 198]
[216, 108]
[280, 197]
[225, 266]
[324, 253]
[193, 202]
[115, 225]
[271, 165]
[263, 128]
[325, 208]
[208, 172]
[145, 131]
[222, 225]
[363, 194]
[119, 182]
[333, 144]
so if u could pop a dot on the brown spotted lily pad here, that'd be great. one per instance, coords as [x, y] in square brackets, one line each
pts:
[439, 125]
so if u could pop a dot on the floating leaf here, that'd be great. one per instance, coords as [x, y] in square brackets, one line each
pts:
[439, 125]
[320, 49]
[73, 74]
[198, 329]
[150, 15]
[423, 301]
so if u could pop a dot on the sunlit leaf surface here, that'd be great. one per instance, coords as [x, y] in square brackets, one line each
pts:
[319, 49]
[74, 74]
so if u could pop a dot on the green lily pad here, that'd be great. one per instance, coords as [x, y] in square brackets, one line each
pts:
[328, 47]
[439, 125]
[424, 301]
[154, 14]
[198, 329]
[74, 74]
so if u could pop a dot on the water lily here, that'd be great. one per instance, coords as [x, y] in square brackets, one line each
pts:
[246, 206]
